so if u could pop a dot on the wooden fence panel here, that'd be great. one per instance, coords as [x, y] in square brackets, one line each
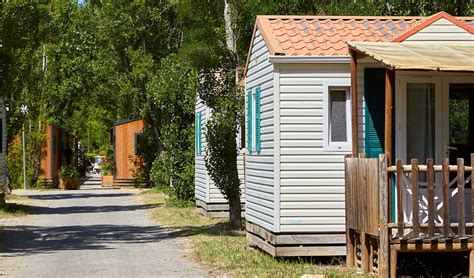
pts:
[362, 188]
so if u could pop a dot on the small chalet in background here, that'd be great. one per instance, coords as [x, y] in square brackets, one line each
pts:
[304, 114]
[126, 135]
[59, 149]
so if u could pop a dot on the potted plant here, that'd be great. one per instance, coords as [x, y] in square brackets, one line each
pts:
[107, 175]
[69, 177]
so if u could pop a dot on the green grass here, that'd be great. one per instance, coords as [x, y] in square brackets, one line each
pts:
[13, 206]
[226, 252]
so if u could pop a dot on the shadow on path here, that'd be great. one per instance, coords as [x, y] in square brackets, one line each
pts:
[35, 239]
[87, 209]
[65, 196]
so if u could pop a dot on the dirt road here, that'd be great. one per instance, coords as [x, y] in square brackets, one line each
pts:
[92, 232]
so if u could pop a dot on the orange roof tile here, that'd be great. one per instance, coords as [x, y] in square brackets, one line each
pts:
[327, 36]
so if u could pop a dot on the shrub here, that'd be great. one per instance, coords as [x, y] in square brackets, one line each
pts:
[68, 171]
[107, 168]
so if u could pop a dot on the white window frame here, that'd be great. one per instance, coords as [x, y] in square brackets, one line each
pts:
[341, 84]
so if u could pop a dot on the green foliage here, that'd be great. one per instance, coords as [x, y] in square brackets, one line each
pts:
[107, 168]
[68, 171]
[172, 93]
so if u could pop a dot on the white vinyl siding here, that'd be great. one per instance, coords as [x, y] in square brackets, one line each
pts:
[311, 179]
[205, 189]
[442, 30]
[259, 166]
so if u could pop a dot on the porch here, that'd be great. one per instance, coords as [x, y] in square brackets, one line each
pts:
[409, 178]
[403, 208]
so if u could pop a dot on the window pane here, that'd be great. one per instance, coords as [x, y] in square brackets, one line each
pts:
[421, 124]
[338, 116]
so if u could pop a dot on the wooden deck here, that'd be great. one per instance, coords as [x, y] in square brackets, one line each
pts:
[406, 208]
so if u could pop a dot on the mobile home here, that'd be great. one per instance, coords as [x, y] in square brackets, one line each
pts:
[209, 199]
[417, 94]
[59, 149]
[126, 135]
[298, 111]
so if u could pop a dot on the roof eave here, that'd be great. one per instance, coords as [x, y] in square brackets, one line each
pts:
[277, 59]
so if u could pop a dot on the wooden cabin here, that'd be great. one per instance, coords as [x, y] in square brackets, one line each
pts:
[3, 140]
[59, 149]
[209, 199]
[412, 146]
[126, 135]
[298, 113]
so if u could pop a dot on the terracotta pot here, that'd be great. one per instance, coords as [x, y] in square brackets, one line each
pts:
[107, 180]
[69, 183]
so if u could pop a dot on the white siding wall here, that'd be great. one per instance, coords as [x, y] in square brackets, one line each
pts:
[205, 189]
[259, 173]
[442, 30]
[312, 180]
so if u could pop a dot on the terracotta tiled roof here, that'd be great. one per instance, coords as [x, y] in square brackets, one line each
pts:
[327, 36]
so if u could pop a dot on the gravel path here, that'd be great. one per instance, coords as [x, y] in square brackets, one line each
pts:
[92, 232]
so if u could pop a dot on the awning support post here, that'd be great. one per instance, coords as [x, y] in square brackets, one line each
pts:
[355, 145]
[389, 85]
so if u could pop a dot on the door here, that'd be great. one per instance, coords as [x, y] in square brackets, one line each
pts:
[419, 119]
[459, 107]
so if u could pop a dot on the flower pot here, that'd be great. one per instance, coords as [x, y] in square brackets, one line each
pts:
[107, 180]
[69, 183]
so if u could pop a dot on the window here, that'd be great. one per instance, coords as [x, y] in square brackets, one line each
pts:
[137, 143]
[253, 121]
[198, 133]
[337, 115]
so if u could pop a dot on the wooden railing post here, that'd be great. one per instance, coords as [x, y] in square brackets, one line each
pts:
[399, 184]
[415, 197]
[431, 206]
[472, 190]
[384, 248]
[446, 214]
[461, 211]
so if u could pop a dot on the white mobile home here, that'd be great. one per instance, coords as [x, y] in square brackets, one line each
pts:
[209, 200]
[298, 111]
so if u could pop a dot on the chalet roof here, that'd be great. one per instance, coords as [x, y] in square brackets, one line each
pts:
[441, 56]
[328, 35]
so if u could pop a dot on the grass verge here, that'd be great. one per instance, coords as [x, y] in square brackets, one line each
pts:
[13, 206]
[225, 252]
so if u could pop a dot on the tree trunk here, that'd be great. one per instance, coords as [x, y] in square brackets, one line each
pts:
[235, 212]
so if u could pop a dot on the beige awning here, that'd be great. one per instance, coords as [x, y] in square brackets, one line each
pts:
[439, 56]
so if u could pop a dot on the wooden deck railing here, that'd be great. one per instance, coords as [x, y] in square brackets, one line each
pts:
[408, 177]
[378, 206]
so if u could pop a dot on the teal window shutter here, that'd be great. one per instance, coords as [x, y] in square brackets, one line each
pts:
[249, 120]
[196, 133]
[200, 133]
[374, 95]
[257, 120]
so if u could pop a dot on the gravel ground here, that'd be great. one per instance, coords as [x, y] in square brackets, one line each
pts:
[91, 232]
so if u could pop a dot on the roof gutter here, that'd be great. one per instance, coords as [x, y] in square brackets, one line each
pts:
[277, 59]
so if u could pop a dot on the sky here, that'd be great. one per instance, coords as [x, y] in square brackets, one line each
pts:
[80, 2]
